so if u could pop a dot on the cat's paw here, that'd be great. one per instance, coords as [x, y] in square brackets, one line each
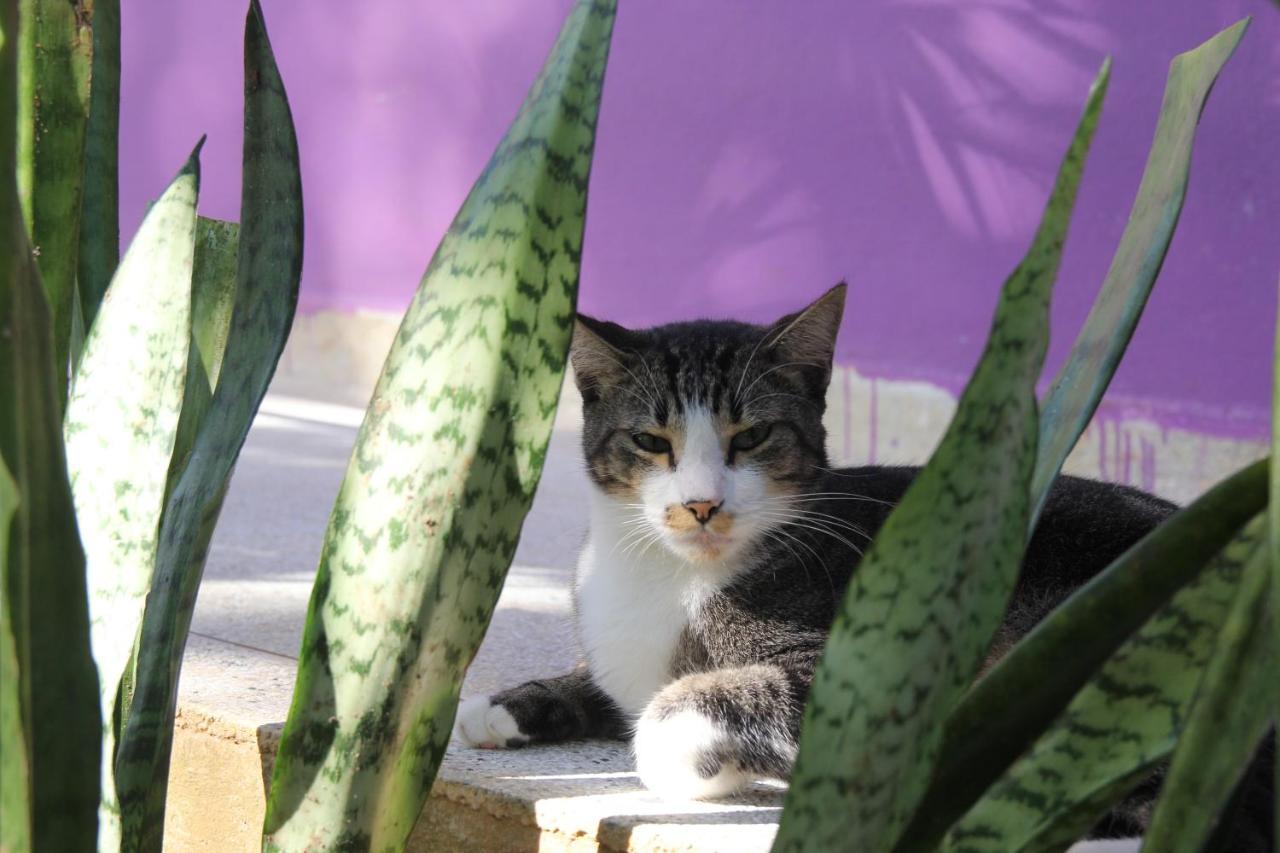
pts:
[480, 723]
[682, 755]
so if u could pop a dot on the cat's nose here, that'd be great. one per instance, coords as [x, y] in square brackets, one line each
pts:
[702, 510]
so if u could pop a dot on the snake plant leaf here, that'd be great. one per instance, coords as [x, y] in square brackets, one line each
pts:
[1231, 712]
[53, 108]
[925, 601]
[120, 427]
[213, 285]
[15, 798]
[268, 271]
[46, 603]
[1079, 385]
[48, 606]
[99, 250]
[1273, 518]
[1003, 714]
[444, 470]
[1117, 728]
[15, 793]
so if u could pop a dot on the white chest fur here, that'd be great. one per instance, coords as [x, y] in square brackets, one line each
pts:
[632, 606]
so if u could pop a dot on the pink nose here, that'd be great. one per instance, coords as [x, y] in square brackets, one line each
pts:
[702, 510]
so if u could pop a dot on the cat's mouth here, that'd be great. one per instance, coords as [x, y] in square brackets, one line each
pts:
[704, 544]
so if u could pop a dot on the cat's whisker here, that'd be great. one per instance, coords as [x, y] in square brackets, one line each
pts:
[837, 520]
[820, 527]
[624, 539]
[635, 544]
[832, 496]
[775, 535]
[833, 534]
[825, 568]
[803, 510]
[822, 518]
[837, 473]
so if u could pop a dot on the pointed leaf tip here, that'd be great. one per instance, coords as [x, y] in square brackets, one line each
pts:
[192, 165]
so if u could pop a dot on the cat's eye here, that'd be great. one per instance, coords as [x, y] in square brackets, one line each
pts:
[651, 443]
[749, 439]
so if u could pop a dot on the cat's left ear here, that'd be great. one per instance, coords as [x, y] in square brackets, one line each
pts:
[807, 339]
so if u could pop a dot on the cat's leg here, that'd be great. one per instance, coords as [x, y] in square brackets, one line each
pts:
[543, 711]
[709, 734]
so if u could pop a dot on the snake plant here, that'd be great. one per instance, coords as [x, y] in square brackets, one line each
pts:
[1166, 652]
[444, 470]
[110, 494]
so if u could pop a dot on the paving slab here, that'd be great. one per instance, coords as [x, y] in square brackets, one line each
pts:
[237, 676]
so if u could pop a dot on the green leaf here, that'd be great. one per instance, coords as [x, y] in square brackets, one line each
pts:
[120, 427]
[54, 65]
[47, 609]
[15, 798]
[48, 603]
[269, 266]
[1273, 516]
[444, 470]
[925, 601]
[1079, 385]
[1117, 728]
[15, 794]
[213, 284]
[1012, 705]
[1231, 712]
[99, 250]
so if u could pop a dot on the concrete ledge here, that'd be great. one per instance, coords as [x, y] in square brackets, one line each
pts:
[580, 797]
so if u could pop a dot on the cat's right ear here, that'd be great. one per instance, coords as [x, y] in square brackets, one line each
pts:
[599, 355]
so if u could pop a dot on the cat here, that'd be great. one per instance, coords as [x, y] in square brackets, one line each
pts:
[720, 544]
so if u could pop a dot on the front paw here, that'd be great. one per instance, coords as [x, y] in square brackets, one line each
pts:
[685, 755]
[480, 723]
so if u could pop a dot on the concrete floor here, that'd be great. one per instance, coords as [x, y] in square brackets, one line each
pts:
[238, 672]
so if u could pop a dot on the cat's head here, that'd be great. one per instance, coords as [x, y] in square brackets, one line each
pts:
[704, 435]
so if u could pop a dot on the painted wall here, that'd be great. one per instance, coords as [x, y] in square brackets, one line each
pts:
[752, 153]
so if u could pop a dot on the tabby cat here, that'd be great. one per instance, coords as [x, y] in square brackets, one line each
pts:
[720, 543]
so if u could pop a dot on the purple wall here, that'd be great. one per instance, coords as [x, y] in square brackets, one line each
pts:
[753, 153]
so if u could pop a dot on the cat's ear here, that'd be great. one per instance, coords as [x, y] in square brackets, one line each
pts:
[599, 353]
[807, 339]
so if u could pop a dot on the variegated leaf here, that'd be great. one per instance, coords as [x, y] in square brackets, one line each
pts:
[444, 470]
[268, 270]
[1080, 383]
[1119, 726]
[922, 607]
[120, 426]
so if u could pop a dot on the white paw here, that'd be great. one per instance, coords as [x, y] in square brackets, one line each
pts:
[675, 757]
[482, 724]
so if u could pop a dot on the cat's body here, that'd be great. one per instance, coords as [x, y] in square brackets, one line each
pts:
[720, 544]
